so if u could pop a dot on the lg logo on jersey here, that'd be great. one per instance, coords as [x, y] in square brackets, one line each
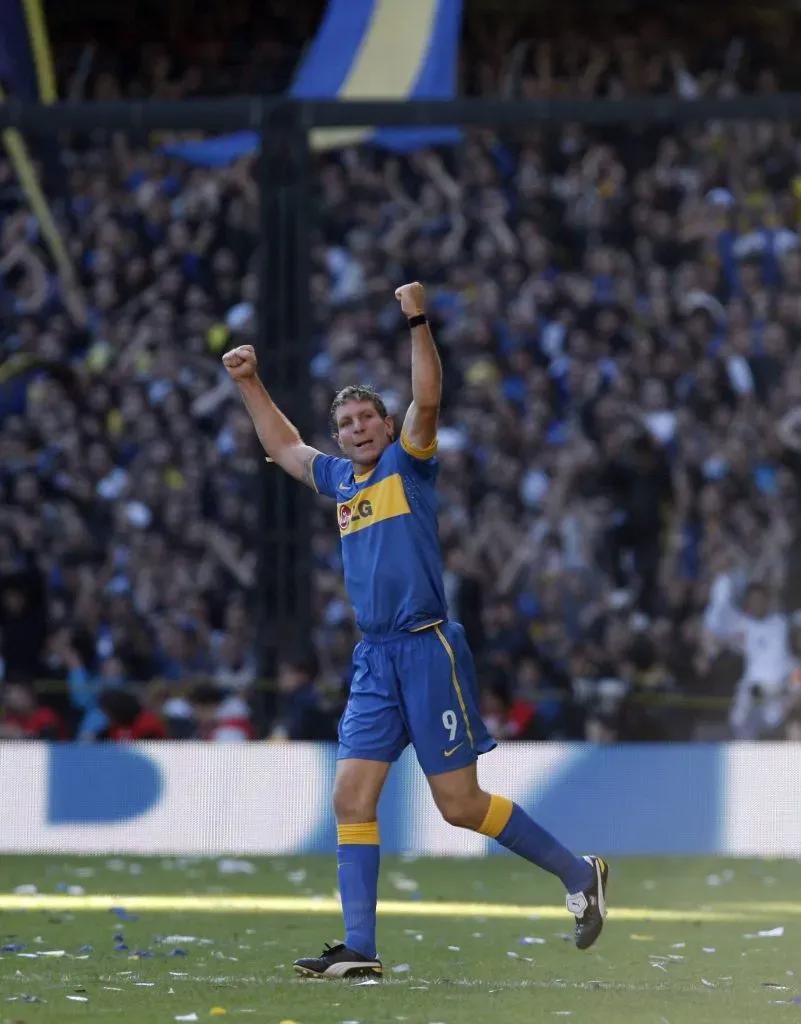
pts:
[348, 514]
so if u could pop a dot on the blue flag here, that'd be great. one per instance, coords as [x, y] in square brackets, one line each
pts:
[369, 50]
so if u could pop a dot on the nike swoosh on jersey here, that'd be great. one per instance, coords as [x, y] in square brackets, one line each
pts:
[453, 750]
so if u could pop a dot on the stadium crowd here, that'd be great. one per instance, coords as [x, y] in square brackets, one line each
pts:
[619, 315]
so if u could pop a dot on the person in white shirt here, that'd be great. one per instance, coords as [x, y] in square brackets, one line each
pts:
[763, 639]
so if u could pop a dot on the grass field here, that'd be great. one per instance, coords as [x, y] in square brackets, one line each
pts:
[462, 941]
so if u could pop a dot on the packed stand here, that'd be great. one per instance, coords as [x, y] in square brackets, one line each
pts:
[620, 320]
[618, 317]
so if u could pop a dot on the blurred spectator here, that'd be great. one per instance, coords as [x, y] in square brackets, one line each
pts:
[760, 700]
[24, 718]
[302, 714]
[220, 716]
[127, 719]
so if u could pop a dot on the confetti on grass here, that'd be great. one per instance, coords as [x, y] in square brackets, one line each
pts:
[123, 914]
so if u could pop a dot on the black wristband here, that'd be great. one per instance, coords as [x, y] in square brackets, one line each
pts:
[418, 321]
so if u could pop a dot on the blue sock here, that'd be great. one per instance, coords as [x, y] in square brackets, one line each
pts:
[511, 827]
[358, 855]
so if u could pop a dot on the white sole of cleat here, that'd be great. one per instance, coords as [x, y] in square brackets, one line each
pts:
[338, 972]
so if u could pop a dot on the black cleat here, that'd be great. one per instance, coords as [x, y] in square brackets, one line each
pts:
[339, 962]
[589, 907]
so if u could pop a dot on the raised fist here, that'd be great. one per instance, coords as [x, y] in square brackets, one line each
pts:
[241, 363]
[412, 298]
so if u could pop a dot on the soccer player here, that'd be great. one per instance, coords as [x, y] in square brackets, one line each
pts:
[414, 680]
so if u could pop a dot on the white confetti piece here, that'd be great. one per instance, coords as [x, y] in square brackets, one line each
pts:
[532, 940]
[145, 984]
[419, 988]
[111, 988]
[708, 949]
[362, 984]
[179, 974]
[772, 933]
[76, 890]
[187, 1016]
[678, 945]
[455, 949]
[178, 939]
[478, 935]
[26, 890]
[79, 999]
[400, 968]
[513, 955]
[709, 984]
[53, 952]
[229, 866]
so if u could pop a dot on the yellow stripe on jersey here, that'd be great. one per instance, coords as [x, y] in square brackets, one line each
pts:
[417, 453]
[372, 505]
[312, 460]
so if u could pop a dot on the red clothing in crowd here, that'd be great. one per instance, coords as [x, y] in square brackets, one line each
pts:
[146, 726]
[40, 724]
[232, 723]
[521, 718]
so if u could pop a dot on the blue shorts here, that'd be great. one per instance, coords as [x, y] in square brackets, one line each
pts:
[417, 688]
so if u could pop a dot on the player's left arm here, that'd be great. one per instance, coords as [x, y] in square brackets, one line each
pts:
[419, 433]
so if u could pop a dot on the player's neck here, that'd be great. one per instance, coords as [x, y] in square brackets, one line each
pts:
[362, 471]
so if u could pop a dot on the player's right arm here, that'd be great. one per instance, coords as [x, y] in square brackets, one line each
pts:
[279, 438]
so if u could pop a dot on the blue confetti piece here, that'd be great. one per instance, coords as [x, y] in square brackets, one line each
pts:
[61, 886]
[119, 937]
[145, 954]
[121, 947]
[12, 947]
[86, 949]
[123, 914]
[177, 952]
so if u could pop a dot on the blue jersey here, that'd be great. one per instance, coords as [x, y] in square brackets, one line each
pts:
[390, 538]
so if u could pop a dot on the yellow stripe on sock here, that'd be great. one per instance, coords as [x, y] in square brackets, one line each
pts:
[365, 833]
[499, 813]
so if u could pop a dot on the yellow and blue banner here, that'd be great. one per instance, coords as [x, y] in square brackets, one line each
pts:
[27, 73]
[367, 50]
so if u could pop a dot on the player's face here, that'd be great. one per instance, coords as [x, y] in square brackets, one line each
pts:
[362, 433]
